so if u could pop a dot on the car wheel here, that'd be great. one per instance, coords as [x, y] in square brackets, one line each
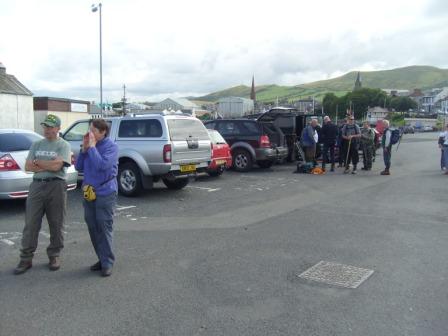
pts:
[265, 163]
[176, 184]
[242, 160]
[129, 180]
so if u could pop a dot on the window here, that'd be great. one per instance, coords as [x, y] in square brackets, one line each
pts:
[210, 125]
[182, 129]
[13, 142]
[251, 128]
[143, 128]
[227, 128]
[77, 131]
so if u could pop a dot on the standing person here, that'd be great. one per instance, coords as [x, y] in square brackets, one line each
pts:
[309, 139]
[341, 145]
[351, 134]
[367, 145]
[387, 147]
[48, 159]
[443, 145]
[329, 135]
[98, 159]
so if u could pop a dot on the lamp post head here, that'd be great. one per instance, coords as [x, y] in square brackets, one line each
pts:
[95, 7]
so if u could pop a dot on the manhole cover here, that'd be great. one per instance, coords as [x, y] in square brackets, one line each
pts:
[337, 274]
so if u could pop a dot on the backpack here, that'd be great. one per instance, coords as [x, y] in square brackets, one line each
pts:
[394, 136]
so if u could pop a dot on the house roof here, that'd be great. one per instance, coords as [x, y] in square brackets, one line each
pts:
[11, 85]
[185, 103]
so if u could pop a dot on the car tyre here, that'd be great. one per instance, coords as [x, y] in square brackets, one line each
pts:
[176, 184]
[242, 160]
[129, 179]
[265, 164]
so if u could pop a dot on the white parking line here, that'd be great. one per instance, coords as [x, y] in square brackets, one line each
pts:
[119, 208]
[7, 242]
[204, 188]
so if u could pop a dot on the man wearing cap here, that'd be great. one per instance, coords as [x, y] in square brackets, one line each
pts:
[48, 159]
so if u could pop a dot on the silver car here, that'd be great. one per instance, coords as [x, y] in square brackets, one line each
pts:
[14, 180]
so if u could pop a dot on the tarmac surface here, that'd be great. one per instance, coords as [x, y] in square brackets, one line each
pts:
[222, 257]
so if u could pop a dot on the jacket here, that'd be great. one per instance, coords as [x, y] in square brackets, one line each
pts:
[329, 134]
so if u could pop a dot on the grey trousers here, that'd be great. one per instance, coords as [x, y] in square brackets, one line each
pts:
[99, 216]
[50, 199]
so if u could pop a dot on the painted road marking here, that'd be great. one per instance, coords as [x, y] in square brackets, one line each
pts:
[7, 242]
[119, 208]
[204, 188]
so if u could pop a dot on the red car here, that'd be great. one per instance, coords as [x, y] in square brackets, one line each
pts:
[221, 155]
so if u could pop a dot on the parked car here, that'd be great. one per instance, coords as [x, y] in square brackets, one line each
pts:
[251, 141]
[14, 148]
[427, 129]
[221, 155]
[408, 130]
[167, 146]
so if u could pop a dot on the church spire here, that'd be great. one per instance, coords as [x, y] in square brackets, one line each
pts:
[252, 91]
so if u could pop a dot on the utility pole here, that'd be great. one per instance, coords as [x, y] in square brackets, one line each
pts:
[123, 100]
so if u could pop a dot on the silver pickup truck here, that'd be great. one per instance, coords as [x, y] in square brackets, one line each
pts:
[152, 147]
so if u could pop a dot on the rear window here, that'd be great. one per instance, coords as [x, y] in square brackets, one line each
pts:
[216, 137]
[13, 142]
[140, 128]
[181, 129]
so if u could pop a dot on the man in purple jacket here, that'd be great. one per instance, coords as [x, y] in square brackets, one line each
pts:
[98, 160]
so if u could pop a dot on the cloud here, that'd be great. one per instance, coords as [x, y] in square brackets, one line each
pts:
[178, 48]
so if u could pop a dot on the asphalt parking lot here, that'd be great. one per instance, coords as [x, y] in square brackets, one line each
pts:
[222, 257]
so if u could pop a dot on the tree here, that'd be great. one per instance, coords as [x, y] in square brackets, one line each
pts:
[402, 104]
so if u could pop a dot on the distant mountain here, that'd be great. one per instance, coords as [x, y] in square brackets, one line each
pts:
[412, 77]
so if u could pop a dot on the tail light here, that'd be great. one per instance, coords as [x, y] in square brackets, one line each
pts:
[211, 147]
[7, 163]
[72, 160]
[265, 142]
[167, 153]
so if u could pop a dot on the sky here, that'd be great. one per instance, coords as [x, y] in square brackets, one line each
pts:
[179, 48]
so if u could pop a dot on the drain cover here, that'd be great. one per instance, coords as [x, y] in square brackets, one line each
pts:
[336, 274]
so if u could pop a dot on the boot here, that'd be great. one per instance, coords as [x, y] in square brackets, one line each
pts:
[23, 266]
[54, 264]
[385, 172]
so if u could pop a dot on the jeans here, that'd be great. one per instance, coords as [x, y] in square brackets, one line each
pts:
[99, 216]
[325, 150]
[387, 154]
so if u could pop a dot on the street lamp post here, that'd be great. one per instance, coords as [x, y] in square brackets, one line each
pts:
[94, 9]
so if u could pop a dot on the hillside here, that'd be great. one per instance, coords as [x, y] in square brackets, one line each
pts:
[423, 77]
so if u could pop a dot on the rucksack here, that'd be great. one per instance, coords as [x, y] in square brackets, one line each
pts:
[394, 136]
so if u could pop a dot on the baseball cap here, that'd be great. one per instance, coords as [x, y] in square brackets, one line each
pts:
[51, 121]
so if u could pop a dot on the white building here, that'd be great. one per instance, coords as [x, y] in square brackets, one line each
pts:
[235, 107]
[376, 113]
[16, 103]
[176, 104]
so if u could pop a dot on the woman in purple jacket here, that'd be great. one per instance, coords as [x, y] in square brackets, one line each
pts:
[98, 160]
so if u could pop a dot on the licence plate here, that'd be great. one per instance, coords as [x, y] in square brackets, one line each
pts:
[188, 168]
[220, 162]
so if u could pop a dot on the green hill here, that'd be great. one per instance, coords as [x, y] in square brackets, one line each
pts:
[422, 77]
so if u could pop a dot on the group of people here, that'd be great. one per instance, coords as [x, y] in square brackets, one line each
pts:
[443, 145]
[348, 138]
[48, 159]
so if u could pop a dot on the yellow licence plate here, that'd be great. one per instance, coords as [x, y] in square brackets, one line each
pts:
[187, 168]
[220, 162]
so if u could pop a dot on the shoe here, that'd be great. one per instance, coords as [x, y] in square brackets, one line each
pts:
[22, 267]
[346, 171]
[385, 172]
[364, 168]
[354, 172]
[96, 267]
[106, 271]
[332, 169]
[54, 263]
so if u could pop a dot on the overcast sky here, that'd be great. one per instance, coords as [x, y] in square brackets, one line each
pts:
[181, 48]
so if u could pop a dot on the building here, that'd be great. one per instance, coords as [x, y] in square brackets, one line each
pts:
[376, 113]
[440, 101]
[68, 110]
[16, 103]
[176, 104]
[234, 107]
[306, 105]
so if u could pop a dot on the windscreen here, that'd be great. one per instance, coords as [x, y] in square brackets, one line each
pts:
[14, 142]
[182, 129]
